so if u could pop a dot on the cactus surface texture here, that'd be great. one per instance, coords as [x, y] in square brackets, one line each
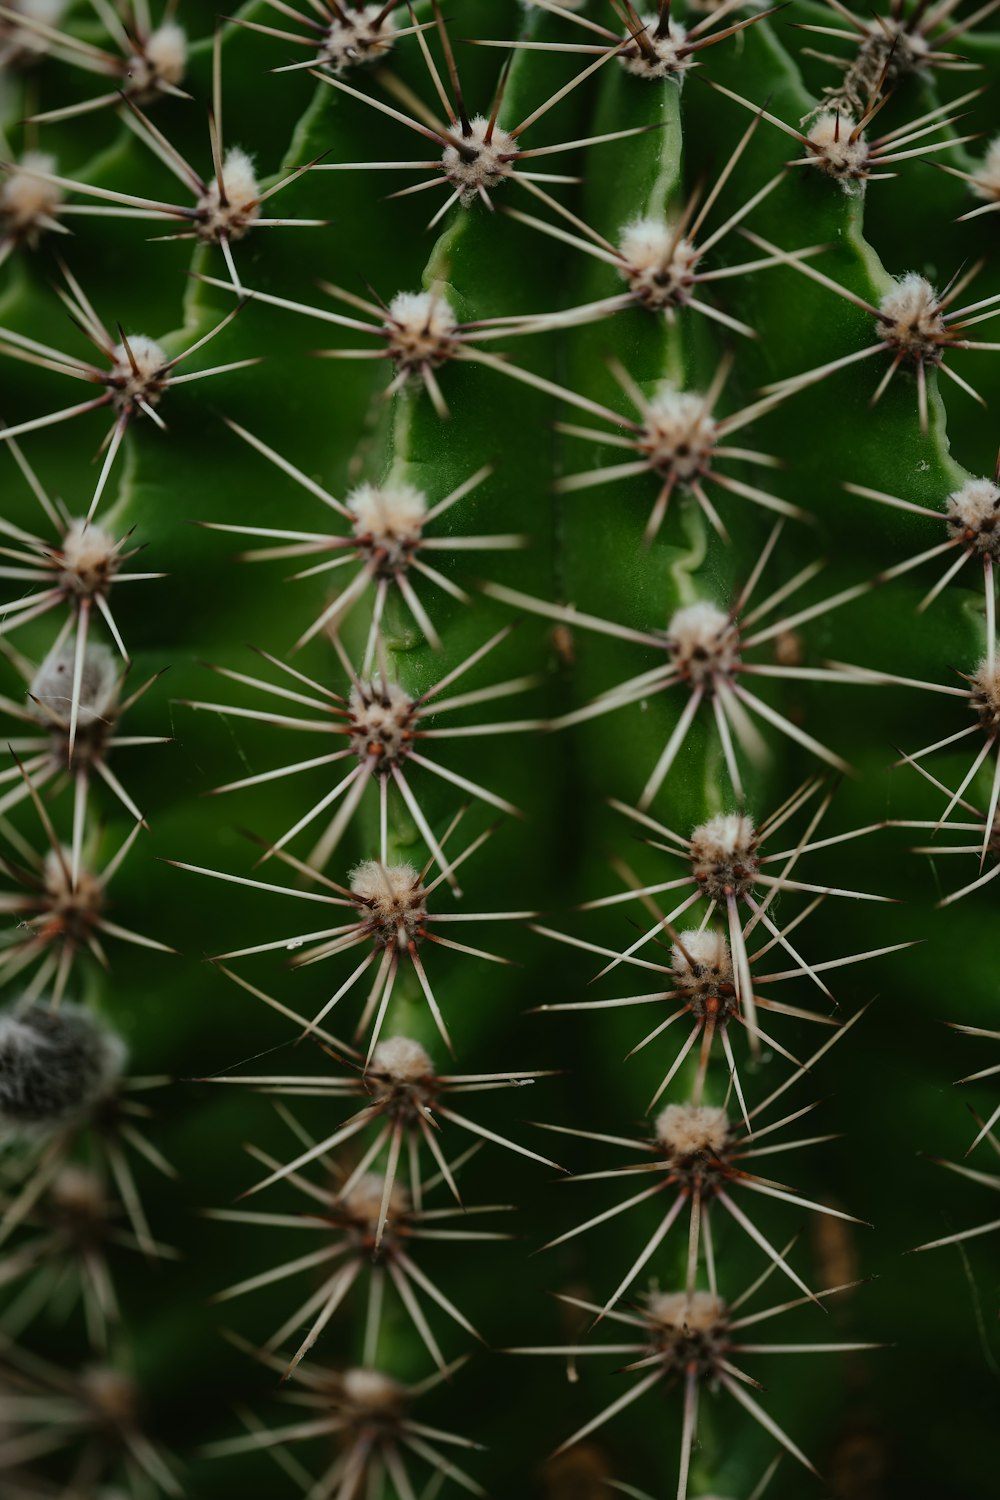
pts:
[499, 803]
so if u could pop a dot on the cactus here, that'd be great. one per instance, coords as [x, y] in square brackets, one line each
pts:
[609, 512]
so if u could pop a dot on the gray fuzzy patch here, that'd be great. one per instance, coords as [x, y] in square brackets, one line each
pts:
[55, 1065]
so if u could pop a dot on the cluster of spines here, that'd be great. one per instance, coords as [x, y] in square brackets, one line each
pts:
[675, 437]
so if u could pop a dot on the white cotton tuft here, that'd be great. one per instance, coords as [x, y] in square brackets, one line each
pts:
[401, 1060]
[167, 51]
[658, 263]
[388, 521]
[662, 56]
[679, 1311]
[703, 641]
[26, 198]
[421, 328]
[685, 1130]
[973, 516]
[678, 433]
[481, 164]
[364, 1201]
[724, 855]
[371, 1391]
[837, 152]
[364, 35]
[910, 317]
[393, 898]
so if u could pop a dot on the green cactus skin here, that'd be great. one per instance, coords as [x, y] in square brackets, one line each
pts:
[912, 1418]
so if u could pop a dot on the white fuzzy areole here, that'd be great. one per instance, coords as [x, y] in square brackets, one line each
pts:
[646, 243]
[389, 519]
[364, 1202]
[22, 45]
[45, 11]
[910, 317]
[724, 837]
[166, 50]
[421, 327]
[696, 1311]
[678, 433]
[482, 165]
[724, 855]
[394, 899]
[703, 641]
[836, 153]
[26, 198]
[986, 183]
[231, 220]
[688, 1129]
[371, 1390]
[146, 380]
[89, 558]
[667, 62]
[239, 177]
[401, 1060]
[385, 886]
[985, 687]
[728, 832]
[658, 265]
[362, 38]
[708, 950]
[973, 514]
[52, 685]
